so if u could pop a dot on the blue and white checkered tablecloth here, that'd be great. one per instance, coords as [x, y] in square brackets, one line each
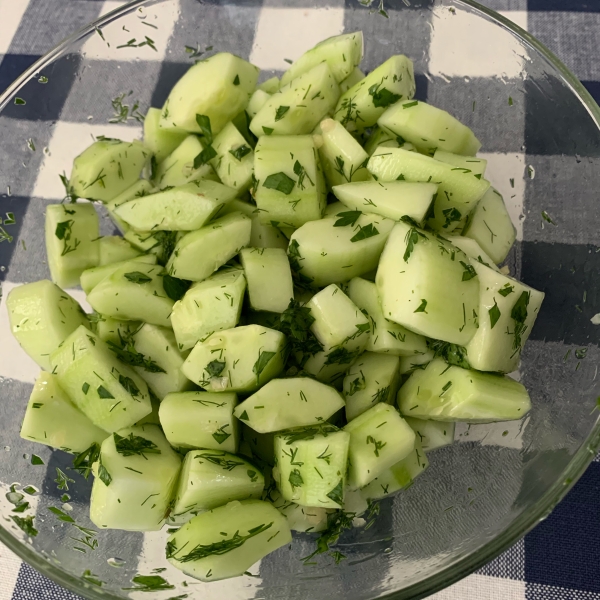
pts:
[560, 559]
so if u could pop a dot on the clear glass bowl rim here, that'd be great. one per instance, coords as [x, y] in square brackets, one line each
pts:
[467, 564]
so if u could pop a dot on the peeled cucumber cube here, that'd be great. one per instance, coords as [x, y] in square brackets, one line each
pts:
[211, 478]
[234, 162]
[287, 403]
[113, 248]
[108, 392]
[429, 128]
[199, 254]
[289, 187]
[432, 434]
[303, 519]
[135, 480]
[107, 168]
[343, 158]
[90, 278]
[445, 393]
[258, 99]
[236, 360]
[310, 465]
[52, 419]
[399, 476]
[299, 106]
[458, 192]
[489, 224]
[41, 317]
[507, 312]
[270, 86]
[371, 379]
[208, 306]
[352, 79]
[200, 420]
[183, 208]
[473, 250]
[394, 199]
[160, 141]
[379, 438]
[269, 277]
[342, 53]
[428, 285]
[322, 252]
[140, 188]
[115, 331]
[386, 336]
[360, 106]
[250, 530]
[72, 232]
[468, 163]
[159, 345]
[133, 294]
[218, 87]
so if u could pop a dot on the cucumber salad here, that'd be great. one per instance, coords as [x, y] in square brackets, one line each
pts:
[304, 300]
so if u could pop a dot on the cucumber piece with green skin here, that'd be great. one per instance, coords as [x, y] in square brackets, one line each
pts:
[200, 420]
[52, 419]
[290, 188]
[72, 232]
[429, 128]
[236, 360]
[262, 445]
[208, 306]
[181, 167]
[342, 157]
[303, 519]
[473, 250]
[408, 364]
[342, 53]
[371, 379]
[199, 254]
[113, 248]
[135, 480]
[458, 192]
[310, 465]
[107, 168]
[182, 208]
[469, 163]
[442, 392]
[379, 438]
[108, 392]
[386, 336]
[133, 295]
[218, 88]
[490, 225]
[322, 252]
[270, 286]
[234, 162]
[270, 86]
[41, 317]
[227, 541]
[158, 344]
[90, 278]
[258, 99]
[399, 476]
[288, 403]
[115, 331]
[352, 79]
[432, 434]
[299, 106]
[394, 199]
[428, 285]
[160, 141]
[360, 106]
[141, 187]
[211, 478]
[507, 312]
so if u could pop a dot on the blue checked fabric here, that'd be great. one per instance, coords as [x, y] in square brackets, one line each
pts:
[559, 560]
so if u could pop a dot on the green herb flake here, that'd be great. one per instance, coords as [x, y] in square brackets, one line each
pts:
[103, 473]
[83, 462]
[280, 182]
[422, 307]
[134, 445]
[214, 368]
[506, 290]
[469, 272]
[104, 393]
[175, 288]
[347, 218]
[62, 516]
[19, 101]
[25, 524]
[268, 130]
[62, 481]
[137, 277]
[129, 385]
[149, 583]
[263, 360]
[205, 128]
[36, 460]
[547, 218]
[519, 316]
[365, 232]
[280, 112]
[240, 152]
[337, 493]
[236, 81]
[85, 388]
[220, 435]
[382, 97]
[295, 478]
[205, 156]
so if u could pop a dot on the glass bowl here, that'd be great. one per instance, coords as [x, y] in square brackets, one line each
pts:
[539, 129]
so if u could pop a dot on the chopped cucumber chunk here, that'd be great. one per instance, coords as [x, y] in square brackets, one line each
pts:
[112, 249]
[468, 163]
[352, 79]
[200, 420]
[141, 187]
[41, 317]
[52, 419]
[432, 434]
[90, 278]
[287, 403]
[258, 99]
[445, 393]
[234, 160]
[160, 141]
[473, 250]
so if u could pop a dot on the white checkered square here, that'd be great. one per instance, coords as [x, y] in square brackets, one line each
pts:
[11, 13]
[482, 587]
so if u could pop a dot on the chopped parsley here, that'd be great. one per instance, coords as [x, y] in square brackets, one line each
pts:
[134, 445]
[280, 182]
